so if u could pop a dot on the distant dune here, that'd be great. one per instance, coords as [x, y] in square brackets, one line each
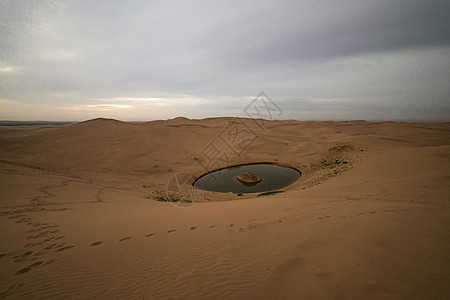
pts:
[33, 123]
[368, 219]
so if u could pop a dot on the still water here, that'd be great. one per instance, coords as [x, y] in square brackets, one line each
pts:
[224, 180]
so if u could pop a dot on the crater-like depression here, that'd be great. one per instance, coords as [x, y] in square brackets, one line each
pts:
[249, 178]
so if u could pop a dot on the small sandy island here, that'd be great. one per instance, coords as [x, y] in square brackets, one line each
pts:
[105, 209]
[248, 178]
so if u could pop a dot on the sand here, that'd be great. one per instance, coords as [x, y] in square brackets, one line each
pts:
[368, 219]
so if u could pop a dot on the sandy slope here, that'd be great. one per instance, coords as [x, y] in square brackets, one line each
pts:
[76, 221]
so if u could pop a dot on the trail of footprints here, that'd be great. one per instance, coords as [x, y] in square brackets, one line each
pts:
[149, 235]
[372, 212]
[44, 238]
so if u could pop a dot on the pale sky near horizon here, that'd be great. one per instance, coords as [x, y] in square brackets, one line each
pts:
[147, 60]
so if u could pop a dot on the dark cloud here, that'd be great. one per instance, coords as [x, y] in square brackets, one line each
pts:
[393, 51]
[308, 31]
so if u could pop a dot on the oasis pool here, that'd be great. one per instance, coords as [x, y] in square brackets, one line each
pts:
[224, 180]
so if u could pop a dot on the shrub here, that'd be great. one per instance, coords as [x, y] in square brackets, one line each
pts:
[269, 193]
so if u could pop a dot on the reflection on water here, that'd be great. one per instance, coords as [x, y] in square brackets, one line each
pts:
[273, 177]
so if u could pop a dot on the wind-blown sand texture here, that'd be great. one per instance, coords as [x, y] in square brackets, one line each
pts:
[368, 219]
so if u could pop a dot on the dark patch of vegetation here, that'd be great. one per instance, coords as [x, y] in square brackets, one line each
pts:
[177, 197]
[335, 161]
[169, 197]
[342, 148]
[269, 193]
[334, 157]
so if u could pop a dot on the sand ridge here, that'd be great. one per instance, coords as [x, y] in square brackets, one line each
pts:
[77, 221]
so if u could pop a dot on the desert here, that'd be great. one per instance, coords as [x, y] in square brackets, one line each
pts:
[80, 219]
[219, 149]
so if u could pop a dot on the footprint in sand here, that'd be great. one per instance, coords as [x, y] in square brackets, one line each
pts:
[171, 230]
[63, 248]
[193, 228]
[45, 233]
[10, 290]
[16, 216]
[48, 262]
[96, 243]
[125, 238]
[29, 268]
[22, 257]
[40, 253]
[148, 235]
[212, 226]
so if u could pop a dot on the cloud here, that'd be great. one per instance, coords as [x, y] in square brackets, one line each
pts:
[98, 107]
[210, 56]
[133, 99]
[22, 111]
[8, 69]
[58, 55]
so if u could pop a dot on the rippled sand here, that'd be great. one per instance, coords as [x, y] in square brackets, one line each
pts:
[368, 219]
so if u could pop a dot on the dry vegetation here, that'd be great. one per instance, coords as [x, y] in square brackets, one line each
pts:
[335, 161]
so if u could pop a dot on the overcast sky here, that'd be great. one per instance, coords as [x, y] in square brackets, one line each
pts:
[146, 60]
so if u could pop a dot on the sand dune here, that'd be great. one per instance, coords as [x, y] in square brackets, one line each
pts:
[79, 219]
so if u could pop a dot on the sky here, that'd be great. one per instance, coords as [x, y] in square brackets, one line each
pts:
[147, 60]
